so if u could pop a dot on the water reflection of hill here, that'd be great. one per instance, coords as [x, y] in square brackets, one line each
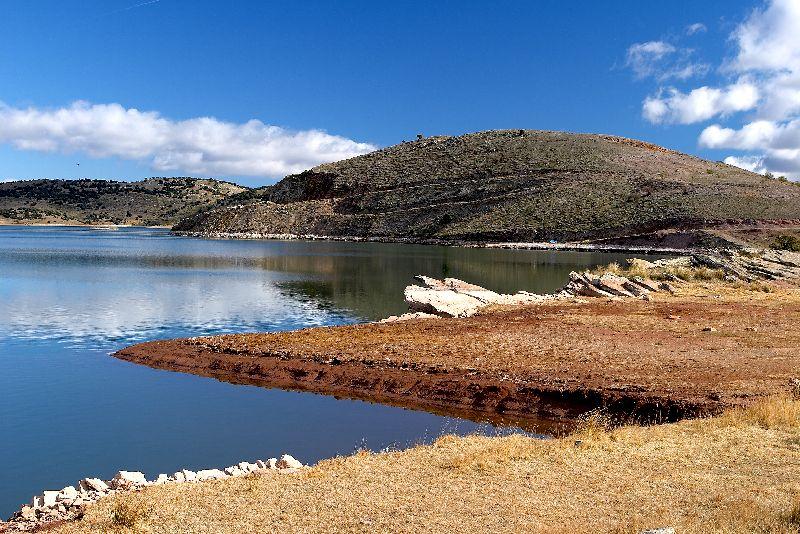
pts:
[368, 279]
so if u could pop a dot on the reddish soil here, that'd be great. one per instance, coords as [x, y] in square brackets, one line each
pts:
[698, 352]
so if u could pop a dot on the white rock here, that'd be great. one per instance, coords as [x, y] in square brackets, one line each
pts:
[93, 484]
[67, 494]
[262, 464]
[486, 296]
[179, 477]
[127, 479]
[409, 316]
[234, 471]
[46, 499]
[189, 476]
[247, 467]
[210, 474]
[272, 463]
[288, 462]
[444, 303]
[162, 478]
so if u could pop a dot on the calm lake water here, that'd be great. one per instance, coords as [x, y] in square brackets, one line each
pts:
[70, 296]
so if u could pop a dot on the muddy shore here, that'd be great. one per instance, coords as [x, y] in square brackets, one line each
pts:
[703, 350]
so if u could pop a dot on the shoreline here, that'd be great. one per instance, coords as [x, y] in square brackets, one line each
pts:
[649, 360]
[82, 225]
[68, 503]
[566, 246]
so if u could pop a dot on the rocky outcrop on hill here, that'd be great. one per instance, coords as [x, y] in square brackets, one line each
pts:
[69, 502]
[512, 185]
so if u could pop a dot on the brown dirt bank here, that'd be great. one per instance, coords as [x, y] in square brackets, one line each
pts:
[707, 348]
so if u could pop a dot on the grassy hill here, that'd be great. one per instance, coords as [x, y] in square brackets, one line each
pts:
[156, 201]
[512, 185]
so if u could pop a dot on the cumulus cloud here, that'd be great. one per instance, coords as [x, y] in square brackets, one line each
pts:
[662, 60]
[201, 146]
[765, 69]
[703, 103]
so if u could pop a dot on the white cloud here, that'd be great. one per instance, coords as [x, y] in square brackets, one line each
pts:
[697, 27]
[766, 68]
[644, 58]
[663, 61]
[202, 146]
[750, 163]
[673, 106]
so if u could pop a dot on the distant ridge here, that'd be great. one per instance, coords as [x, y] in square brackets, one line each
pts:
[151, 202]
[510, 185]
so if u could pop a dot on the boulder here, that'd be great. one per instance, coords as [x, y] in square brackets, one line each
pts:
[234, 471]
[247, 467]
[189, 476]
[162, 478]
[613, 284]
[45, 500]
[288, 462]
[128, 479]
[210, 474]
[484, 295]
[272, 463]
[646, 283]
[445, 303]
[635, 289]
[582, 284]
[431, 283]
[67, 494]
[179, 477]
[93, 484]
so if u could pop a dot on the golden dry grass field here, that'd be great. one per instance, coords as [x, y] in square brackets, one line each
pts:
[735, 473]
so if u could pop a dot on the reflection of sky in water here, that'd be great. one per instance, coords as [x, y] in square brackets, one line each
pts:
[102, 295]
[69, 296]
[112, 304]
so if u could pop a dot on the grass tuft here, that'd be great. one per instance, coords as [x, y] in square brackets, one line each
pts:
[129, 512]
[777, 411]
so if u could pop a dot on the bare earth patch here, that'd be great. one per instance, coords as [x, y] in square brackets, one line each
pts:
[709, 347]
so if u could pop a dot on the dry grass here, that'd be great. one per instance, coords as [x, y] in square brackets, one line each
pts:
[737, 473]
[687, 274]
[129, 511]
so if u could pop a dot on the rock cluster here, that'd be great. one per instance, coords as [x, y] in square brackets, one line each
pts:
[455, 298]
[68, 503]
[752, 265]
[611, 285]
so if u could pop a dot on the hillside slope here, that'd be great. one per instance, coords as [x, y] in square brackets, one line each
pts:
[156, 201]
[513, 185]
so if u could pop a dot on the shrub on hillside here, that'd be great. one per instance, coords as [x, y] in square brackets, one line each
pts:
[786, 242]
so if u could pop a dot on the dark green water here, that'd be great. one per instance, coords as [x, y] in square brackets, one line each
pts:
[70, 296]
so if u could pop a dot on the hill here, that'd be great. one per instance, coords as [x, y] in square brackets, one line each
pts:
[512, 185]
[155, 201]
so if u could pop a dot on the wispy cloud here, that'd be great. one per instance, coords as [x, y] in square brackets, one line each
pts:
[201, 146]
[764, 79]
[697, 27]
[663, 61]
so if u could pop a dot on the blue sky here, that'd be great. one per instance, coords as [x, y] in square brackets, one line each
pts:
[368, 74]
